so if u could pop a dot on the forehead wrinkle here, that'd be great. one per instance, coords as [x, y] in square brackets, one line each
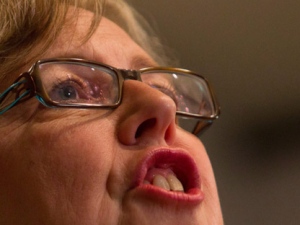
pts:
[136, 56]
[133, 60]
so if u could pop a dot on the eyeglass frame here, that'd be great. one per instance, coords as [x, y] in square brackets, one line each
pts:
[31, 83]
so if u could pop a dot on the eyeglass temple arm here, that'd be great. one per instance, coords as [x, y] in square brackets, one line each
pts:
[23, 88]
[201, 126]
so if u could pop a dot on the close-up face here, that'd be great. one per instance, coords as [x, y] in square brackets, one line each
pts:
[129, 165]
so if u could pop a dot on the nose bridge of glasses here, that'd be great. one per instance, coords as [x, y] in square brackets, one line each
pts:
[130, 74]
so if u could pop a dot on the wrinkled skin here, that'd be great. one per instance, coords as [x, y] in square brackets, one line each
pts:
[71, 166]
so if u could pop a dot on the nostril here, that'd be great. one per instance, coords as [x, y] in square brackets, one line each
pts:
[146, 125]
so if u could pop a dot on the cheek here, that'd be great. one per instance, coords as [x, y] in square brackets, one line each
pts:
[79, 153]
[58, 164]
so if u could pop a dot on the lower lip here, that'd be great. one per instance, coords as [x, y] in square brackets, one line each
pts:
[153, 193]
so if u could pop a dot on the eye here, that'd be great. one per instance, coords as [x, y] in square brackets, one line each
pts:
[68, 91]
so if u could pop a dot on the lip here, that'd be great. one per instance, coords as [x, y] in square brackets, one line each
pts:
[182, 165]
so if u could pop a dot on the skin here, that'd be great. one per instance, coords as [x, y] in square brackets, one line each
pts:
[71, 166]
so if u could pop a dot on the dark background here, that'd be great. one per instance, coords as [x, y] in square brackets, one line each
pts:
[250, 51]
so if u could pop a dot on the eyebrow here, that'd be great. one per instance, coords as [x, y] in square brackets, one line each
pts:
[136, 63]
[139, 62]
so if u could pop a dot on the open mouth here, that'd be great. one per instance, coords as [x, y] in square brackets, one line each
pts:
[171, 174]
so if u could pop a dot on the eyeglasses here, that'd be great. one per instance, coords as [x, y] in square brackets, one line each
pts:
[78, 83]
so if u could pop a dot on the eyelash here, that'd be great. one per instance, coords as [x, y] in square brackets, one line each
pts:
[167, 89]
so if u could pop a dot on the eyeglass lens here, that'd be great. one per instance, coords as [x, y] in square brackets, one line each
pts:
[190, 93]
[79, 84]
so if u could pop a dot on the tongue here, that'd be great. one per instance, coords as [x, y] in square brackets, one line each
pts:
[163, 178]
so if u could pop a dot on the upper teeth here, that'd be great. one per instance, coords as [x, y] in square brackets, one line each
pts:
[170, 182]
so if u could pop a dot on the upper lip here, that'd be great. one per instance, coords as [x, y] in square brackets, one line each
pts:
[180, 162]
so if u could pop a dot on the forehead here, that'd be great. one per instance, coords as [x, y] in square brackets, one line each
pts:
[109, 43]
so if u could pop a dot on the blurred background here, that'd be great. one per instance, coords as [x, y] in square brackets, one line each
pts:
[250, 51]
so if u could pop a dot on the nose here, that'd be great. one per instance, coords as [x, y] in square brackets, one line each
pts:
[146, 116]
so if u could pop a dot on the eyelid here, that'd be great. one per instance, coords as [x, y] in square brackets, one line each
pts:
[164, 86]
[75, 79]
[64, 77]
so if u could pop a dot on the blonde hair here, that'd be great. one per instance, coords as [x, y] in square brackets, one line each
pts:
[34, 24]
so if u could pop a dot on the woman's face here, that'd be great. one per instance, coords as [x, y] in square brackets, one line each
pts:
[76, 166]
